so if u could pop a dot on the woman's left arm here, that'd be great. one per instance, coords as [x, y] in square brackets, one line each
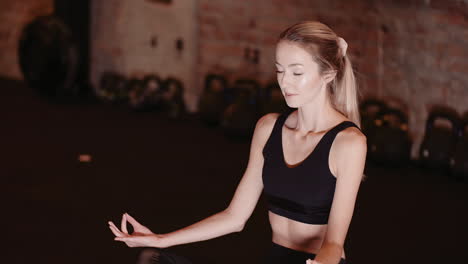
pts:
[349, 156]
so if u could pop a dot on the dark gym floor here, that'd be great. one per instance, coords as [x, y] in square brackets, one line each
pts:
[170, 173]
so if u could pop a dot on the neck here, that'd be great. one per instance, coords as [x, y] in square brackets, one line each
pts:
[316, 116]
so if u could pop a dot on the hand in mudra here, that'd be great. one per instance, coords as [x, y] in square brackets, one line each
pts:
[141, 236]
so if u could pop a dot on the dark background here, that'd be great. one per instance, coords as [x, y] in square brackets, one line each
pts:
[170, 173]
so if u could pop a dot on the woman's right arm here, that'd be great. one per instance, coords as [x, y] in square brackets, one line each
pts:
[234, 217]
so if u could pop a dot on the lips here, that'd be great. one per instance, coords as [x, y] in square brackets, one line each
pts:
[290, 94]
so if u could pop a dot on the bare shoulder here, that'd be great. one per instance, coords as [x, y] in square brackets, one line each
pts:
[350, 137]
[265, 123]
[349, 153]
[264, 128]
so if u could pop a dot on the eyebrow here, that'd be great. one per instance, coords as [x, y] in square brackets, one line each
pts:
[291, 65]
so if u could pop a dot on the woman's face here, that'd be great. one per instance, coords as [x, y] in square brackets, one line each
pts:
[298, 74]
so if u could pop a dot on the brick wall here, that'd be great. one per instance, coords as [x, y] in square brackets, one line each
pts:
[14, 15]
[412, 53]
[425, 47]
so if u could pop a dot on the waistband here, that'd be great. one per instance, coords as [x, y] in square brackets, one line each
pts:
[285, 254]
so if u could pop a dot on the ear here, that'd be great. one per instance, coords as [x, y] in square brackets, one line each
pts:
[329, 76]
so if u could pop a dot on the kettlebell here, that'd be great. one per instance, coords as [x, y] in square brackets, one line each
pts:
[113, 87]
[173, 98]
[241, 115]
[438, 145]
[390, 143]
[369, 110]
[459, 162]
[271, 100]
[213, 100]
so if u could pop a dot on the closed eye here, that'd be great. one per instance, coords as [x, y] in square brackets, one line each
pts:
[297, 74]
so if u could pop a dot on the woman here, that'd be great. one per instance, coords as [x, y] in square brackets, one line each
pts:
[309, 163]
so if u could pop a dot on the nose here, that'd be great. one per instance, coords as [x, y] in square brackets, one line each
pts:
[283, 80]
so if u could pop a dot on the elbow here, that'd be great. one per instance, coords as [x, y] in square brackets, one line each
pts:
[239, 227]
[236, 224]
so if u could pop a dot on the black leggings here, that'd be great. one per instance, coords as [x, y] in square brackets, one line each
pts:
[276, 255]
[283, 255]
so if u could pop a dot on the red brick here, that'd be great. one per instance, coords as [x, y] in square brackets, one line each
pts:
[452, 18]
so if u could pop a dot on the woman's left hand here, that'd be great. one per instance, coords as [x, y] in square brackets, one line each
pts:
[141, 237]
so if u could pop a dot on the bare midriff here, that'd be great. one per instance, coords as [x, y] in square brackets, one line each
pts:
[296, 235]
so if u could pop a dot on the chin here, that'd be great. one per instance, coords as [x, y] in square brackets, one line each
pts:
[292, 104]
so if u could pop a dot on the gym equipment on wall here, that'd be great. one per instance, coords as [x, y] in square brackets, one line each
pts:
[271, 100]
[389, 143]
[173, 98]
[438, 145]
[113, 87]
[48, 57]
[241, 115]
[213, 100]
[459, 162]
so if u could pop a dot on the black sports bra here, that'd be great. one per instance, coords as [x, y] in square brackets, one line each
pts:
[304, 192]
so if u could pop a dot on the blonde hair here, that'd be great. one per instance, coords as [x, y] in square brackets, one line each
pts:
[323, 44]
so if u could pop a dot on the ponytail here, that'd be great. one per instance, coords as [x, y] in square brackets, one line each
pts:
[344, 95]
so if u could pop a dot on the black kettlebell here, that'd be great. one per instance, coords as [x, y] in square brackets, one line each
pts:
[438, 145]
[153, 92]
[271, 100]
[213, 100]
[459, 162]
[390, 143]
[369, 110]
[136, 89]
[113, 87]
[241, 115]
[173, 98]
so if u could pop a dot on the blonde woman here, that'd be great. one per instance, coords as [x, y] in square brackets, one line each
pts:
[309, 163]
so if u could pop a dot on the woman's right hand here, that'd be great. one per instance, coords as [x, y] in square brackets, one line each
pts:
[141, 237]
